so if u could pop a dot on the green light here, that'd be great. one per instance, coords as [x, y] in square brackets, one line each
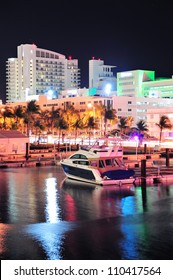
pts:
[92, 91]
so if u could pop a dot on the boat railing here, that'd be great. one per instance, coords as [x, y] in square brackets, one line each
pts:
[85, 148]
[89, 147]
[103, 142]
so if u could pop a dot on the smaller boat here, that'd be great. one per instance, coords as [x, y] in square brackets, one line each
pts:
[98, 165]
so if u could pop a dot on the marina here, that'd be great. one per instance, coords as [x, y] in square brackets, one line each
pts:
[46, 216]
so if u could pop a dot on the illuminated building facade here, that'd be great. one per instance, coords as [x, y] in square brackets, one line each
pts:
[81, 103]
[138, 91]
[153, 117]
[138, 107]
[37, 72]
[130, 83]
[78, 92]
[160, 88]
[102, 77]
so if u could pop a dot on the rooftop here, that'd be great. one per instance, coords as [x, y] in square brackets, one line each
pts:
[11, 134]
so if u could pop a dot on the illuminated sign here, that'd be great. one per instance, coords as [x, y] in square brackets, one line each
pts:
[126, 74]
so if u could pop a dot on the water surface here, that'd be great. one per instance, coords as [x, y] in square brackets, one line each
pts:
[43, 216]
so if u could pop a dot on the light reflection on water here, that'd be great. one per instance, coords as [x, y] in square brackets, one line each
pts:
[43, 216]
[51, 209]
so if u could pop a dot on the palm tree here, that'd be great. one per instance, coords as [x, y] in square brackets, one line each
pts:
[45, 115]
[31, 110]
[19, 115]
[61, 124]
[110, 114]
[164, 123]
[6, 113]
[70, 115]
[39, 127]
[53, 116]
[107, 114]
[142, 128]
[123, 124]
[78, 124]
[90, 125]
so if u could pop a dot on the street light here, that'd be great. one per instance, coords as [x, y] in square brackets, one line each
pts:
[108, 88]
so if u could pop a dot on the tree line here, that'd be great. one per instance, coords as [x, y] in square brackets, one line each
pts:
[30, 119]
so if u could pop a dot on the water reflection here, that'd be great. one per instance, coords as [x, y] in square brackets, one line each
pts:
[51, 209]
[50, 237]
[94, 202]
[29, 196]
[43, 216]
[3, 231]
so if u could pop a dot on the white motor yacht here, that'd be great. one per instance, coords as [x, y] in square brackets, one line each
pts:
[98, 165]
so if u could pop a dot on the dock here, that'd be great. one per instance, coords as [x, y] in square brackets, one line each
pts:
[156, 169]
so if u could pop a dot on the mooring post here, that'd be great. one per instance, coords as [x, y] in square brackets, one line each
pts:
[145, 148]
[144, 194]
[167, 157]
[143, 169]
[27, 151]
[143, 183]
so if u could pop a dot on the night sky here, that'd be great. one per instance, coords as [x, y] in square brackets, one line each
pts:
[128, 34]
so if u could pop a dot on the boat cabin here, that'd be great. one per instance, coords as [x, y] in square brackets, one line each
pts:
[100, 163]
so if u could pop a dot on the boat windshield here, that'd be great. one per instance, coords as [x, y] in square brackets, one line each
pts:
[112, 162]
[109, 162]
[101, 163]
[75, 156]
[118, 162]
[81, 162]
[93, 163]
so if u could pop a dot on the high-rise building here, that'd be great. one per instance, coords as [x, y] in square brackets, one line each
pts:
[101, 77]
[37, 72]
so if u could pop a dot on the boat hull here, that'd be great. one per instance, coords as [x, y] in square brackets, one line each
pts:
[92, 176]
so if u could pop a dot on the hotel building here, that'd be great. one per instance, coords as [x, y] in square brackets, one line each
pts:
[53, 80]
[102, 77]
[138, 91]
[37, 72]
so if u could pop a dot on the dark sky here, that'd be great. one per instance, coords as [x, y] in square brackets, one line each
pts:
[129, 34]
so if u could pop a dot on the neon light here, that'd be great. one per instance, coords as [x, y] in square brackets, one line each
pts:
[126, 74]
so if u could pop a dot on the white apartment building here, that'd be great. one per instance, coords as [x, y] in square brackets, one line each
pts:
[129, 83]
[37, 72]
[159, 88]
[135, 95]
[138, 107]
[80, 103]
[101, 77]
[153, 117]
